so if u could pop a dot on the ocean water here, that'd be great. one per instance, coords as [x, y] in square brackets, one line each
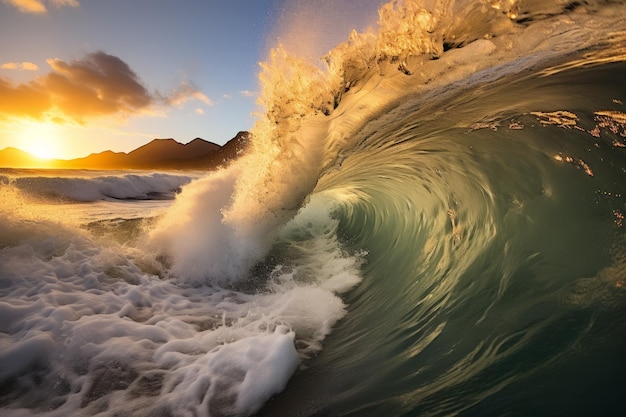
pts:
[432, 224]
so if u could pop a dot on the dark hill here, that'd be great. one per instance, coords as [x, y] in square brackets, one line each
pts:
[231, 150]
[108, 159]
[162, 150]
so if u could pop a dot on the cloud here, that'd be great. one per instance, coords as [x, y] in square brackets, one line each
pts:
[29, 66]
[26, 66]
[199, 110]
[39, 6]
[247, 93]
[186, 92]
[97, 85]
[23, 100]
[61, 3]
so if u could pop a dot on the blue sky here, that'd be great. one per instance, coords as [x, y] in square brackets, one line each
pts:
[83, 76]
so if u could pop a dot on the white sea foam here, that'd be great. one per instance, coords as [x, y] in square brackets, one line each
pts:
[86, 331]
[71, 186]
[199, 244]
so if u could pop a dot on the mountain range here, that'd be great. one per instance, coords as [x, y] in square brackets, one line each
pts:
[165, 154]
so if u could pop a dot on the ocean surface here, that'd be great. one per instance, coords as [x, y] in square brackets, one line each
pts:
[429, 224]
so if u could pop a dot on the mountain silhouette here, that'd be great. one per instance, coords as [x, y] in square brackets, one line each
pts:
[157, 154]
[17, 158]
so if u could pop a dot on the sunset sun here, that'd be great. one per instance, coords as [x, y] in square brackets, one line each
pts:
[41, 140]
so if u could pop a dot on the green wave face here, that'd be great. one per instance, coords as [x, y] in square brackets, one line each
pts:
[492, 220]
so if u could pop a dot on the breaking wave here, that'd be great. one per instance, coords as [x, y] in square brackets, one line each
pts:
[431, 223]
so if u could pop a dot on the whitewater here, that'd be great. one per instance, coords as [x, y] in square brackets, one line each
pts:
[429, 222]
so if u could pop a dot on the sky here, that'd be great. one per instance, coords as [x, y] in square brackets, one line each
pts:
[84, 76]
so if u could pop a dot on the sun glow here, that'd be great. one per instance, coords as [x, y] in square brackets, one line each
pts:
[41, 140]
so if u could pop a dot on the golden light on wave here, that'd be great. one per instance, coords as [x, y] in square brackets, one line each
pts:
[41, 140]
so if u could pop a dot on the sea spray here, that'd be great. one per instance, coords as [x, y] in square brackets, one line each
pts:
[293, 143]
[193, 238]
[314, 116]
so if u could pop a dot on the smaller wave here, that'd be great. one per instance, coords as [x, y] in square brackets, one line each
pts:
[153, 186]
[112, 331]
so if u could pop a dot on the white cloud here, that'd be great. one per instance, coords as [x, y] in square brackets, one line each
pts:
[61, 3]
[29, 66]
[10, 65]
[186, 92]
[26, 66]
[39, 6]
[247, 93]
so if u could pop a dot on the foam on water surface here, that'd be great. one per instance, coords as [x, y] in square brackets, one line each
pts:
[86, 330]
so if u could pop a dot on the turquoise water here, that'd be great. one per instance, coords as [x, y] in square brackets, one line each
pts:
[494, 282]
